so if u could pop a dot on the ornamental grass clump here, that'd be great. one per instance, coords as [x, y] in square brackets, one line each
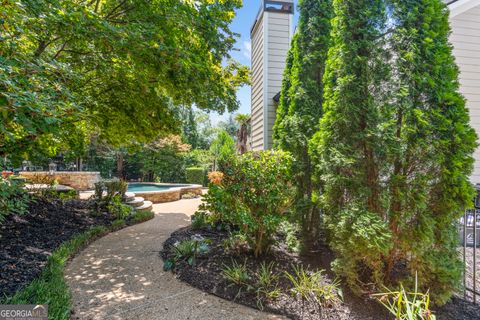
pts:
[406, 305]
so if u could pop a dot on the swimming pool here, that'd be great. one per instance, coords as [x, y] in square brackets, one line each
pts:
[142, 187]
[163, 192]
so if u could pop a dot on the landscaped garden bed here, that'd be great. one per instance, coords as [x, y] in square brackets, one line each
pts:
[244, 246]
[208, 273]
[42, 229]
[27, 241]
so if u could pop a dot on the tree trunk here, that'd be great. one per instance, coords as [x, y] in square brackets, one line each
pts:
[120, 165]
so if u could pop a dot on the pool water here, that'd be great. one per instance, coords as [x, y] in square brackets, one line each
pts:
[142, 187]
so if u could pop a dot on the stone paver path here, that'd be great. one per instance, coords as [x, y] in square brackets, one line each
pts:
[120, 276]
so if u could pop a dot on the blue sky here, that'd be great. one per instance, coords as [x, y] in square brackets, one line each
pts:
[241, 25]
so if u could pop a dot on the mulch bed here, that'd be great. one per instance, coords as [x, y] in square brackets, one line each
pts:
[27, 241]
[207, 276]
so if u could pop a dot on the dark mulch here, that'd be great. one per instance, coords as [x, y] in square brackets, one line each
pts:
[27, 241]
[207, 276]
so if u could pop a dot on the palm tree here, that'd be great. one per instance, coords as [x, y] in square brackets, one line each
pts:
[243, 132]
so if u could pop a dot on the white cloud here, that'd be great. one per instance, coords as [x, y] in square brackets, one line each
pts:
[247, 49]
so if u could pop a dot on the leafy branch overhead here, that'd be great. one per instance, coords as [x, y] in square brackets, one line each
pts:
[119, 67]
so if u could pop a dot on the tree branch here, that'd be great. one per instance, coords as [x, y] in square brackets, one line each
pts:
[42, 45]
[113, 11]
[60, 51]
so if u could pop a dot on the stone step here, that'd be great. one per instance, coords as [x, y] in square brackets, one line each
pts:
[136, 202]
[129, 196]
[147, 206]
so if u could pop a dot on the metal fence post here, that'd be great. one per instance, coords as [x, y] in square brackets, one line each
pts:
[475, 257]
[465, 271]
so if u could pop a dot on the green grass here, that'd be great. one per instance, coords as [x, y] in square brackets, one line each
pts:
[143, 216]
[51, 287]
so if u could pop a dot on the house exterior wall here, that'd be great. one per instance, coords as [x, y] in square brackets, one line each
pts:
[257, 85]
[271, 36]
[465, 39]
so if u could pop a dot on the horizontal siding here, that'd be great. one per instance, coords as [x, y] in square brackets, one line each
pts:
[465, 39]
[257, 86]
[277, 42]
[284, 46]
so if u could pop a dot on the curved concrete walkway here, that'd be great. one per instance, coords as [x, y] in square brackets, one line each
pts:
[120, 276]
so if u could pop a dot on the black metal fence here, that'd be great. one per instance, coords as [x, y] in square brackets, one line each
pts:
[470, 243]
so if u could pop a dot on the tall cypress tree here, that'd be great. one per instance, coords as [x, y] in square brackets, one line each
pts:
[348, 149]
[394, 149]
[431, 149]
[301, 106]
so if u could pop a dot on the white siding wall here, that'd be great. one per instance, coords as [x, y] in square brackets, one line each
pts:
[279, 36]
[271, 37]
[466, 41]
[257, 85]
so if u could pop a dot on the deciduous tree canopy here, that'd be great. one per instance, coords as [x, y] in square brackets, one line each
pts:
[119, 67]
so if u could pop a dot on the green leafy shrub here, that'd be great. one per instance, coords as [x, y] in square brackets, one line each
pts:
[199, 220]
[13, 198]
[119, 209]
[291, 231]
[218, 206]
[253, 194]
[109, 195]
[195, 175]
[106, 190]
[311, 286]
[361, 240]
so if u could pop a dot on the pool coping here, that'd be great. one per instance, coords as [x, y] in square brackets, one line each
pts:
[169, 195]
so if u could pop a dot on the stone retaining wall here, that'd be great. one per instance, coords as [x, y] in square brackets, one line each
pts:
[79, 180]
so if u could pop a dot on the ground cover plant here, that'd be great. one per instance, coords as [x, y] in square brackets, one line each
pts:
[296, 285]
